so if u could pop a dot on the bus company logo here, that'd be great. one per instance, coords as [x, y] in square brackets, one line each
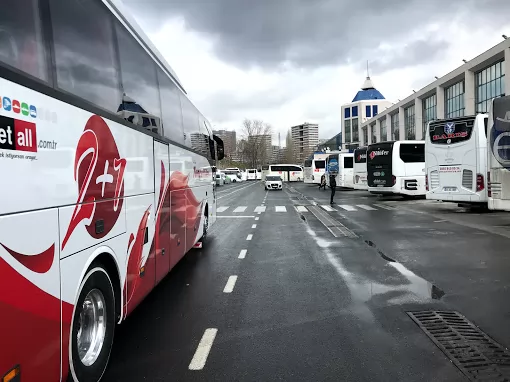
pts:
[461, 134]
[449, 128]
[18, 107]
[17, 135]
[362, 156]
[376, 153]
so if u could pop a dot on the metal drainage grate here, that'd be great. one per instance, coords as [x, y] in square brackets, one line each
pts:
[477, 355]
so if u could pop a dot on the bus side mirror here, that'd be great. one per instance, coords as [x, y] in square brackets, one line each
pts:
[220, 151]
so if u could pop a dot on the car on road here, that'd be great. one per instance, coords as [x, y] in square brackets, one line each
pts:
[220, 179]
[273, 183]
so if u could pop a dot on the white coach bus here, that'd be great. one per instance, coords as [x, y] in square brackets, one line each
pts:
[89, 103]
[498, 135]
[288, 172]
[396, 167]
[360, 169]
[315, 168]
[456, 159]
[342, 165]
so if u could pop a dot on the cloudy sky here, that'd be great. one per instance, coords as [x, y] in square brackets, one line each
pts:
[291, 61]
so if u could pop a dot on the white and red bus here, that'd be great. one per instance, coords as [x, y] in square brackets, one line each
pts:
[315, 168]
[288, 172]
[360, 169]
[107, 169]
[498, 137]
[456, 159]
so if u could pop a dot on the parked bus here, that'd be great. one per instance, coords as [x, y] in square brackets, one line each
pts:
[396, 167]
[83, 246]
[360, 169]
[288, 172]
[315, 168]
[498, 134]
[259, 174]
[251, 174]
[456, 159]
[342, 165]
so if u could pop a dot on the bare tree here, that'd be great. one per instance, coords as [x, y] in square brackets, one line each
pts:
[289, 148]
[257, 136]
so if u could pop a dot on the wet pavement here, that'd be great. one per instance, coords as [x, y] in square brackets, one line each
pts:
[277, 294]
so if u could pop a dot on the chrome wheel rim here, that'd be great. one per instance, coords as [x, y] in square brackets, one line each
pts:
[92, 327]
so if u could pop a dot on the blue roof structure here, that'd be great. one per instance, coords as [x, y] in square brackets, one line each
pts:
[368, 94]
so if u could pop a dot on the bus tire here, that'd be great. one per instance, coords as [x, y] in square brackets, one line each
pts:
[206, 227]
[92, 326]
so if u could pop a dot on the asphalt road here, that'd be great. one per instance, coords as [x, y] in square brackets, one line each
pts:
[286, 289]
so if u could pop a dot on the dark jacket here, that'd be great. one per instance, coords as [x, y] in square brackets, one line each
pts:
[332, 181]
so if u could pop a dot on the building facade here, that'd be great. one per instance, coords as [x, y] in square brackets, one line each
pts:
[305, 138]
[467, 90]
[367, 103]
[229, 141]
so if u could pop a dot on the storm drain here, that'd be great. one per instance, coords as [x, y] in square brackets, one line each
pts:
[333, 225]
[477, 355]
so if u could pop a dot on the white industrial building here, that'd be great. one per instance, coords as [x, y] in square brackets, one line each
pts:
[466, 90]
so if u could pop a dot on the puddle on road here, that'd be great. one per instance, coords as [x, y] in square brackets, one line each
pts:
[363, 289]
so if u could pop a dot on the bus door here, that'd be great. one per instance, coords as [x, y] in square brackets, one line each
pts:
[451, 157]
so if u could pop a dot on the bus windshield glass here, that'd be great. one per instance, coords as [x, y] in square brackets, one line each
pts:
[448, 132]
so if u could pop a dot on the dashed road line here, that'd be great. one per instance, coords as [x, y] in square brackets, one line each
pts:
[222, 209]
[249, 237]
[260, 209]
[328, 208]
[242, 254]
[257, 218]
[253, 226]
[300, 208]
[280, 209]
[204, 347]
[347, 207]
[365, 207]
[240, 209]
[229, 286]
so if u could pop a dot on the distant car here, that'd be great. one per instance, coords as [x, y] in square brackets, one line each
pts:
[273, 183]
[220, 179]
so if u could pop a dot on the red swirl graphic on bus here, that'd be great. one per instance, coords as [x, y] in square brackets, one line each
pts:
[99, 173]
[38, 263]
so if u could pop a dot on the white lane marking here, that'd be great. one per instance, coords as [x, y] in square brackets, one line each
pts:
[234, 217]
[236, 190]
[384, 206]
[280, 209]
[249, 237]
[365, 207]
[253, 226]
[242, 254]
[439, 221]
[347, 207]
[257, 218]
[229, 286]
[222, 209]
[203, 349]
[328, 208]
[240, 209]
[301, 209]
[260, 209]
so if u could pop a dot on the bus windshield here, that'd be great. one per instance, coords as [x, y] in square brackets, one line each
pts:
[448, 132]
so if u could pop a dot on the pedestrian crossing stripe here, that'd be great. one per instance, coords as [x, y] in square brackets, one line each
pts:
[325, 207]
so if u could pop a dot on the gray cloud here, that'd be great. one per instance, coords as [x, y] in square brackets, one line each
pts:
[310, 34]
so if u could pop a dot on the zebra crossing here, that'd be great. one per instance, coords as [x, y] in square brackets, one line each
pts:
[325, 207]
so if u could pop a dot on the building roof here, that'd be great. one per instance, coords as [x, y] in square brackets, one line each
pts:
[367, 92]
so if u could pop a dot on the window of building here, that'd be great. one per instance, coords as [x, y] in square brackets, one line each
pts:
[454, 100]
[384, 134]
[490, 83]
[409, 122]
[355, 130]
[368, 111]
[375, 110]
[395, 131]
[84, 49]
[347, 112]
[21, 42]
[347, 129]
[365, 135]
[138, 70]
[429, 111]
[354, 111]
[372, 131]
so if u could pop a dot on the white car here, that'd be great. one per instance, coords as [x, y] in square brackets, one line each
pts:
[273, 183]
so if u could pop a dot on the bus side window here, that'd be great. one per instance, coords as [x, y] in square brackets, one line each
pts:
[170, 108]
[139, 82]
[84, 48]
[21, 42]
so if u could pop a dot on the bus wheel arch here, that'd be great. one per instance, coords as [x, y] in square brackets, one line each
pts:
[96, 313]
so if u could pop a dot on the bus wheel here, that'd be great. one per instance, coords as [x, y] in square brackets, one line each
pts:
[92, 327]
[206, 227]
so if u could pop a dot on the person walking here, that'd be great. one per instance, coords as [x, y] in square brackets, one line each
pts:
[332, 184]
[323, 182]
